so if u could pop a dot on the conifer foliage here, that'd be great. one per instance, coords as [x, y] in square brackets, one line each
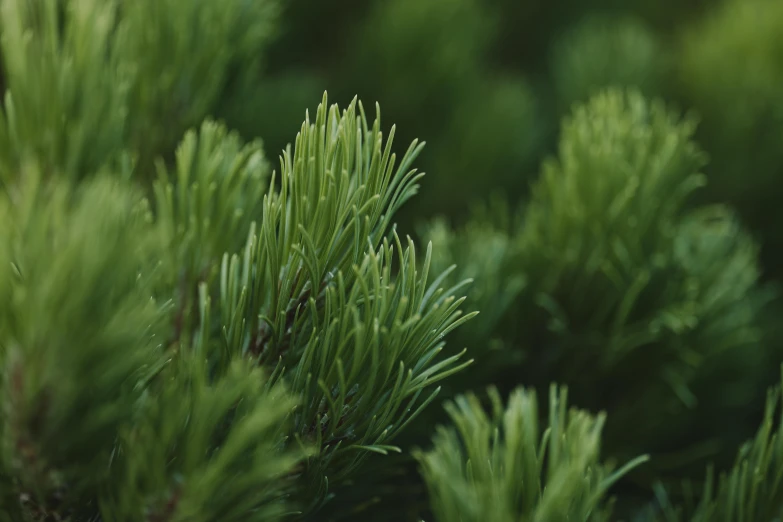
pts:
[228, 345]
[610, 216]
[189, 333]
[502, 467]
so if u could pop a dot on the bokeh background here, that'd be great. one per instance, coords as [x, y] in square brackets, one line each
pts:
[486, 82]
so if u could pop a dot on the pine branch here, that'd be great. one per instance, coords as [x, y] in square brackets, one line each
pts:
[161, 471]
[185, 61]
[67, 86]
[204, 209]
[71, 357]
[319, 295]
[751, 490]
[499, 465]
[680, 292]
[90, 79]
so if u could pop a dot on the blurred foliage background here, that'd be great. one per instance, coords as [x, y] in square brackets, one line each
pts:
[486, 83]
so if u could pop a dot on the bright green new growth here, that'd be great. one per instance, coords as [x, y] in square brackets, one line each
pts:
[503, 467]
[317, 295]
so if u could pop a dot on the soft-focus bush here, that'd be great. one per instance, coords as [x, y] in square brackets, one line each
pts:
[730, 70]
[605, 51]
